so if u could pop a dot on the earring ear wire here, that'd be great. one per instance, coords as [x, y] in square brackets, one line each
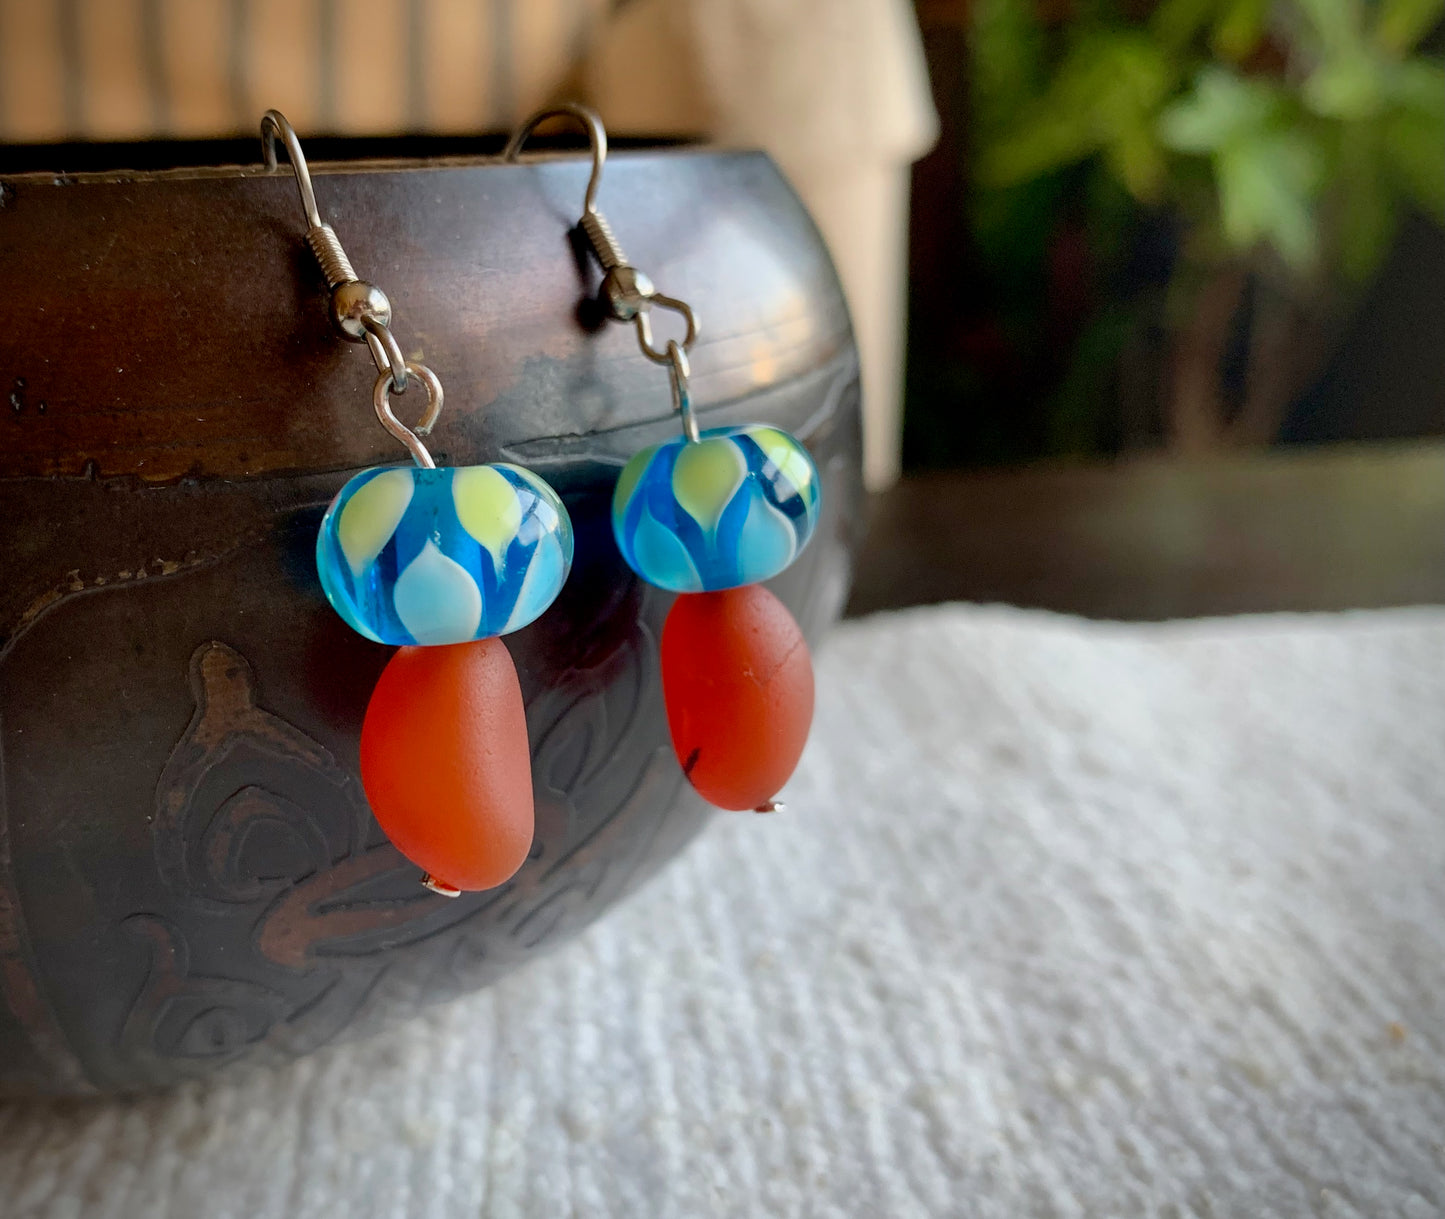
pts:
[627, 294]
[360, 311]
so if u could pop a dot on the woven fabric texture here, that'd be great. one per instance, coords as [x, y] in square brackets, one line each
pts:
[1065, 919]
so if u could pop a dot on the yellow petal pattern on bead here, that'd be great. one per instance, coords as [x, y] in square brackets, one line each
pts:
[488, 508]
[371, 517]
[707, 475]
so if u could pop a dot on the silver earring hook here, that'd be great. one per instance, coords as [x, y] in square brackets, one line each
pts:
[360, 311]
[274, 123]
[596, 139]
[627, 294]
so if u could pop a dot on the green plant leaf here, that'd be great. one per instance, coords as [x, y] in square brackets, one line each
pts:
[1111, 82]
[1401, 24]
[1417, 84]
[1239, 28]
[1137, 160]
[1367, 214]
[1268, 182]
[1414, 137]
[1346, 87]
[1336, 24]
[1174, 23]
[1220, 109]
[1006, 53]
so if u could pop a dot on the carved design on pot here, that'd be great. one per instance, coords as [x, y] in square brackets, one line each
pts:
[258, 825]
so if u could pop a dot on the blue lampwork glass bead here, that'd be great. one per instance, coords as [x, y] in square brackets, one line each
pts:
[408, 555]
[733, 507]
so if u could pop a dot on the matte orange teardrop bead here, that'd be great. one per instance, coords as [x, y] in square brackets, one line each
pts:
[738, 682]
[445, 762]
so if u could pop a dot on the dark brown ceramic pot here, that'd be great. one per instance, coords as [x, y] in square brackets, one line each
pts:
[189, 875]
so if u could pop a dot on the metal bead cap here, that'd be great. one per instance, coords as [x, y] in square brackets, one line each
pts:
[355, 303]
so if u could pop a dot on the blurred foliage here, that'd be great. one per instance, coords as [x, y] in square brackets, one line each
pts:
[1122, 156]
[1297, 127]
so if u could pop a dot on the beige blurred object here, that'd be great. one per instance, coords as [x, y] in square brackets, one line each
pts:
[836, 91]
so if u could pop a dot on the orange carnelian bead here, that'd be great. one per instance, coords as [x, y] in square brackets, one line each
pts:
[445, 762]
[739, 689]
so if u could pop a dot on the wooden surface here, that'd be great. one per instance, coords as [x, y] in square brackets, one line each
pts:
[1305, 529]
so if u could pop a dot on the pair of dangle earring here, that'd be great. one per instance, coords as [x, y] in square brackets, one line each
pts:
[708, 515]
[443, 561]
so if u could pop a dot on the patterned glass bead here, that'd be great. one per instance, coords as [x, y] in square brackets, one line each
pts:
[410, 556]
[734, 507]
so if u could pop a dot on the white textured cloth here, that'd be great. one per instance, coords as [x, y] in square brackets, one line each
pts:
[1066, 919]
